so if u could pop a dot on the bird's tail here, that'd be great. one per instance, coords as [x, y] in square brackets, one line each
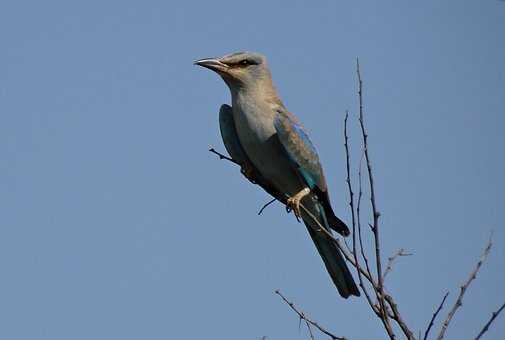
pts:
[331, 255]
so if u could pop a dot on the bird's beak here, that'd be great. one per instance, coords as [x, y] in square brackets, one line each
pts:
[213, 64]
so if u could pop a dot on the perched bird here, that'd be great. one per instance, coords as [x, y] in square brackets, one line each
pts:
[275, 152]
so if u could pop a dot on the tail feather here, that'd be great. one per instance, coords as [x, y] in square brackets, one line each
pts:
[334, 222]
[332, 257]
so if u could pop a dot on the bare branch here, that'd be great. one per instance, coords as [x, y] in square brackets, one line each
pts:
[391, 259]
[302, 316]
[398, 318]
[351, 194]
[221, 156]
[463, 288]
[376, 214]
[309, 329]
[486, 326]
[360, 237]
[266, 205]
[434, 317]
[360, 196]
[351, 205]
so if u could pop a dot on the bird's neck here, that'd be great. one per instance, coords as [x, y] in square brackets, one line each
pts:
[263, 91]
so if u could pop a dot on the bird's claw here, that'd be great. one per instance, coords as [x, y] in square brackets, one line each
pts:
[293, 203]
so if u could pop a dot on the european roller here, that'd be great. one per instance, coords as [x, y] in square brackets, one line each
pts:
[275, 152]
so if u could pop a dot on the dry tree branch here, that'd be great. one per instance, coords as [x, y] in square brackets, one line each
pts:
[486, 326]
[307, 319]
[309, 329]
[379, 288]
[221, 156]
[463, 288]
[398, 317]
[358, 212]
[351, 205]
[376, 214]
[351, 193]
[391, 259]
[434, 317]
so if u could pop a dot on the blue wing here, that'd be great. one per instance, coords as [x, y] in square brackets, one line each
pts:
[237, 152]
[299, 149]
[303, 155]
[229, 135]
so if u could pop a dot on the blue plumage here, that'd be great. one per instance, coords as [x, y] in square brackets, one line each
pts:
[300, 149]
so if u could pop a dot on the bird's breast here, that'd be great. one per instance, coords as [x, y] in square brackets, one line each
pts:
[254, 123]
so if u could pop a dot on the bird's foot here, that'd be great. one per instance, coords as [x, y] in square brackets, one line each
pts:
[293, 203]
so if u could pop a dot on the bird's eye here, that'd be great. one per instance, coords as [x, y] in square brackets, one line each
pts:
[245, 62]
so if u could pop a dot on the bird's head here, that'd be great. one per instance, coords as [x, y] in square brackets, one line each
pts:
[239, 70]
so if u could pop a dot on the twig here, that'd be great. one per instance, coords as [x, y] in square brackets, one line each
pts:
[391, 259]
[309, 329]
[266, 205]
[307, 320]
[358, 209]
[463, 288]
[398, 318]
[486, 326]
[435, 316]
[351, 204]
[349, 186]
[376, 214]
[221, 156]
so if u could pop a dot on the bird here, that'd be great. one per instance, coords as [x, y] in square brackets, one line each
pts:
[274, 151]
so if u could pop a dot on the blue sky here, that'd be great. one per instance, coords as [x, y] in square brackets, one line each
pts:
[117, 223]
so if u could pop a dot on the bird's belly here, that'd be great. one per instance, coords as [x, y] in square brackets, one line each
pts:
[260, 142]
